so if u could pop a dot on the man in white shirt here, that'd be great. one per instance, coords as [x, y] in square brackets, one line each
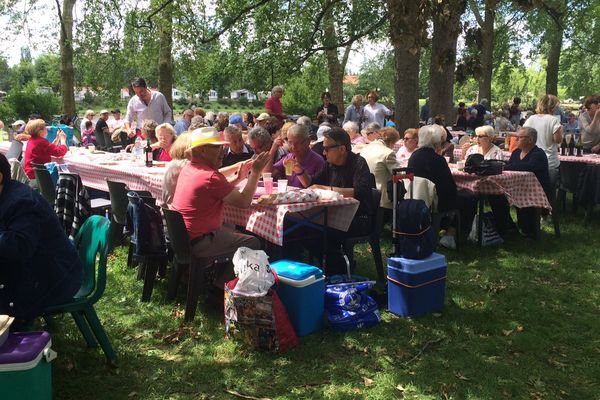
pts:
[374, 111]
[115, 125]
[146, 104]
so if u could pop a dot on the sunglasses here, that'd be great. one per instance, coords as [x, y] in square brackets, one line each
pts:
[333, 146]
[481, 136]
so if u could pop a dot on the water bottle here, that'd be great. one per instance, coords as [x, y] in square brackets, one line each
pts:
[138, 148]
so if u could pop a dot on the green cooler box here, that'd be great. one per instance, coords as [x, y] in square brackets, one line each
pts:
[25, 369]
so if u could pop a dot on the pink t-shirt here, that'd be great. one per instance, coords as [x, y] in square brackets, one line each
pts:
[164, 155]
[199, 198]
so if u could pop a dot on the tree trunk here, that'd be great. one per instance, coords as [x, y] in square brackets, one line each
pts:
[555, 39]
[446, 27]
[165, 57]
[335, 68]
[407, 32]
[67, 76]
[487, 51]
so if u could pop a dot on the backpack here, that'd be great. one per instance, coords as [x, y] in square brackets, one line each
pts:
[475, 164]
[413, 236]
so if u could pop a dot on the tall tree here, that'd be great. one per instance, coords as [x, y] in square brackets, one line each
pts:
[446, 16]
[408, 20]
[486, 26]
[67, 81]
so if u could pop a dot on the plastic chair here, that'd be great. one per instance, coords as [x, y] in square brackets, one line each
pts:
[92, 244]
[15, 150]
[372, 238]
[200, 270]
[45, 183]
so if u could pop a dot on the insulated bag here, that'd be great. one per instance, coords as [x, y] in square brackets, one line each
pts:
[411, 223]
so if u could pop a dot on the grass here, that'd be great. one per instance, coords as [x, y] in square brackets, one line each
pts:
[519, 321]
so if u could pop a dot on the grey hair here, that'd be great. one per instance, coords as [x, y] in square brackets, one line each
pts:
[431, 136]
[277, 89]
[261, 135]
[223, 114]
[304, 120]
[372, 127]
[299, 130]
[484, 102]
[168, 127]
[531, 132]
[352, 126]
[232, 130]
[197, 122]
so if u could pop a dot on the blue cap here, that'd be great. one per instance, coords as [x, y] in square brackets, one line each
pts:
[237, 119]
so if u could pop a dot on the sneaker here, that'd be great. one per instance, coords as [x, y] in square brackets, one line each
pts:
[448, 242]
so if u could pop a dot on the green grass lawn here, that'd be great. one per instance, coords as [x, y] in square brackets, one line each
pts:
[520, 321]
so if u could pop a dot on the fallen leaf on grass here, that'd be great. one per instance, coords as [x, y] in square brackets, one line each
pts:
[367, 381]
[244, 396]
[461, 376]
[132, 394]
[400, 388]
[507, 332]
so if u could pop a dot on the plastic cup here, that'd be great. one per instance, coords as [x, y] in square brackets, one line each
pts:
[289, 166]
[460, 165]
[266, 175]
[268, 183]
[282, 185]
[91, 147]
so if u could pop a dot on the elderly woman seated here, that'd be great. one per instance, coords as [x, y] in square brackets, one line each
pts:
[485, 144]
[356, 139]
[410, 143]
[426, 162]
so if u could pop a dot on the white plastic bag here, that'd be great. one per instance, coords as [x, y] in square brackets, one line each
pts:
[253, 271]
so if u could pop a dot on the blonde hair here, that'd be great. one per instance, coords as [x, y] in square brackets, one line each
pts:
[285, 127]
[547, 104]
[149, 129]
[88, 112]
[389, 135]
[356, 98]
[412, 131]
[34, 127]
[178, 150]
[168, 127]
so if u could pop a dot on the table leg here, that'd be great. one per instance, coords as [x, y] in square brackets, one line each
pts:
[323, 261]
[480, 204]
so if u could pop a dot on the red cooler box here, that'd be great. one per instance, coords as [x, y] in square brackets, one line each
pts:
[416, 287]
[25, 369]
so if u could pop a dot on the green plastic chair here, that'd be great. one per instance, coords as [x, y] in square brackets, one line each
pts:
[92, 244]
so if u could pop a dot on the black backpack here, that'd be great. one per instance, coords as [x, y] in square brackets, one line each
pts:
[413, 237]
[475, 164]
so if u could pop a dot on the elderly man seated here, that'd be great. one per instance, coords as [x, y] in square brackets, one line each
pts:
[299, 145]
[202, 192]
[237, 150]
[261, 141]
[348, 174]
[428, 163]
[527, 157]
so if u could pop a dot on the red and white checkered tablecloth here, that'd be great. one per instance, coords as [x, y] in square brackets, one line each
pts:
[264, 220]
[587, 159]
[267, 220]
[135, 176]
[522, 189]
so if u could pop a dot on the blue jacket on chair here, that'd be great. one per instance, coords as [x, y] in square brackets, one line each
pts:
[144, 221]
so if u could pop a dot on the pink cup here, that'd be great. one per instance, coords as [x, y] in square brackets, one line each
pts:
[268, 183]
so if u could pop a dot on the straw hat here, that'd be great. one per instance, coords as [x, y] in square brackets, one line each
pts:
[204, 136]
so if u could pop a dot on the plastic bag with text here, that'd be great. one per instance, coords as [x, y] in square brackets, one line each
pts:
[254, 272]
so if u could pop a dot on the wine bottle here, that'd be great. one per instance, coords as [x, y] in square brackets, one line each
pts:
[563, 146]
[571, 146]
[579, 147]
[148, 153]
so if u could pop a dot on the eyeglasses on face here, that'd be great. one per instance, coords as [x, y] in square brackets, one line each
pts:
[410, 138]
[333, 146]
[481, 136]
[519, 137]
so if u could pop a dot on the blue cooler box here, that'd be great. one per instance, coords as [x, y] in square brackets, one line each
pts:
[66, 129]
[25, 369]
[302, 292]
[416, 287]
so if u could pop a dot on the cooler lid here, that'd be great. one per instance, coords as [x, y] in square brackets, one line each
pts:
[295, 270]
[435, 260]
[23, 347]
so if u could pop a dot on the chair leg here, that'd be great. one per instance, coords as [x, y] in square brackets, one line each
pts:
[150, 268]
[84, 328]
[100, 333]
[174, 280]
[376, 249]
[193, 292]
